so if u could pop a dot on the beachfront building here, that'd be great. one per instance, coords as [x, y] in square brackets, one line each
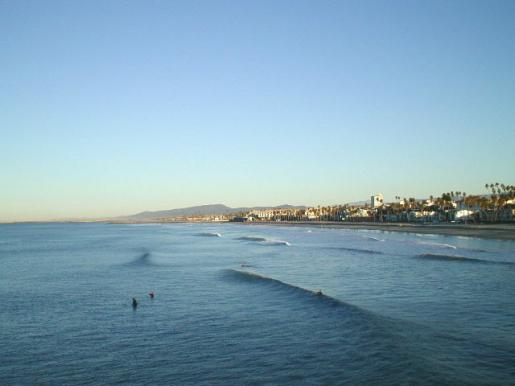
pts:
[464, 215]
[312, 214]
[262, 214]
[276, 214]
[359, 214]
[376, 201]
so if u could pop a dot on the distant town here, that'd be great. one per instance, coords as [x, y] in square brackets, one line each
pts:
[451, 207]
[497, 205]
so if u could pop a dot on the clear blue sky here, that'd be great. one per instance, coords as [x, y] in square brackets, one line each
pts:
[114, 107]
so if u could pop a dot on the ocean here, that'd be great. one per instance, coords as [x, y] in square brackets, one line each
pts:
[238, 305]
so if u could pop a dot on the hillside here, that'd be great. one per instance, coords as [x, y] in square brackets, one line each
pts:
[202, 210]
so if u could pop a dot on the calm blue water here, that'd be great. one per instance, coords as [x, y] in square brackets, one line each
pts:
[239, 309]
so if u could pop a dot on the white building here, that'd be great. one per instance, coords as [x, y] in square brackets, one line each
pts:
[262, 214]
[376, 201]
[464, 214]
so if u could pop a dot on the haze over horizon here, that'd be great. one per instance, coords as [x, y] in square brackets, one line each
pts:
[113, 108]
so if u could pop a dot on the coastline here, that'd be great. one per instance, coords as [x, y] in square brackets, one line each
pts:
[494, 231]
[483, 231]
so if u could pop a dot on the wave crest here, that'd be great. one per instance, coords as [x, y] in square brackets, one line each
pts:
[209, 234]
[438, 245]
[275, 242]
[263, 240]
[141, 260]
[252, 277]
[357, 250]
[462, 259]
[373, 238]
[251, 238]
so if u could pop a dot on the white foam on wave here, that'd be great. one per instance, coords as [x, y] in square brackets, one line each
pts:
[263, 240]
[438, 245]
[275, 242]
[426, 235]
[373, 238]
[210, 234]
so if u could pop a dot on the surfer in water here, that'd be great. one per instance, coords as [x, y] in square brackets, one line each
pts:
[151, 294]
[319, 293]
[134, 303]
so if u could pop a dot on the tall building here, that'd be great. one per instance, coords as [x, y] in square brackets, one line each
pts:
[376, 201]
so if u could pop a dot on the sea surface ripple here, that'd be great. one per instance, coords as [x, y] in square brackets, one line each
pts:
[252, 305]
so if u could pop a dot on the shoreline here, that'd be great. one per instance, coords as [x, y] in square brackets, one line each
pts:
[494, 231]
[483, 231]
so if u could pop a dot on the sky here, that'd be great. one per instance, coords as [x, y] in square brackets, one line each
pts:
[114, 107]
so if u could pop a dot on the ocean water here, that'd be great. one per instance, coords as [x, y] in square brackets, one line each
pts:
[237, 305]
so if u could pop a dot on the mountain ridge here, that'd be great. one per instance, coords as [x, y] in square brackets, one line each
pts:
[202, 210]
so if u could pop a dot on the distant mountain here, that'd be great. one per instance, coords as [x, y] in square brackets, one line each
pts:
[202, 210]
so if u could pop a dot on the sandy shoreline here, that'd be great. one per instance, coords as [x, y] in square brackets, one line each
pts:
[494, 231]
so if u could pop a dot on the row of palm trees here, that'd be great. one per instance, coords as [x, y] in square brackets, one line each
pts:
[486, 208]
[491, 207]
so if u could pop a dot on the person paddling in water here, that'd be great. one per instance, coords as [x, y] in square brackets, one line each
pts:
[319, 293]
[134, 303]
[151, 294]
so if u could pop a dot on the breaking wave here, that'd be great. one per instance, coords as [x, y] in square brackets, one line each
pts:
[275, 242]
[209, 234]
[463, 259]
[438, 245]
[263, 240]
[373, 238]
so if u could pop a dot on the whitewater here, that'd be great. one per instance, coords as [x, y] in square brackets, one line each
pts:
[237, 304]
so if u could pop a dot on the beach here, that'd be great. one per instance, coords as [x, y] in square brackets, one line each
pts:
[484, 231]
